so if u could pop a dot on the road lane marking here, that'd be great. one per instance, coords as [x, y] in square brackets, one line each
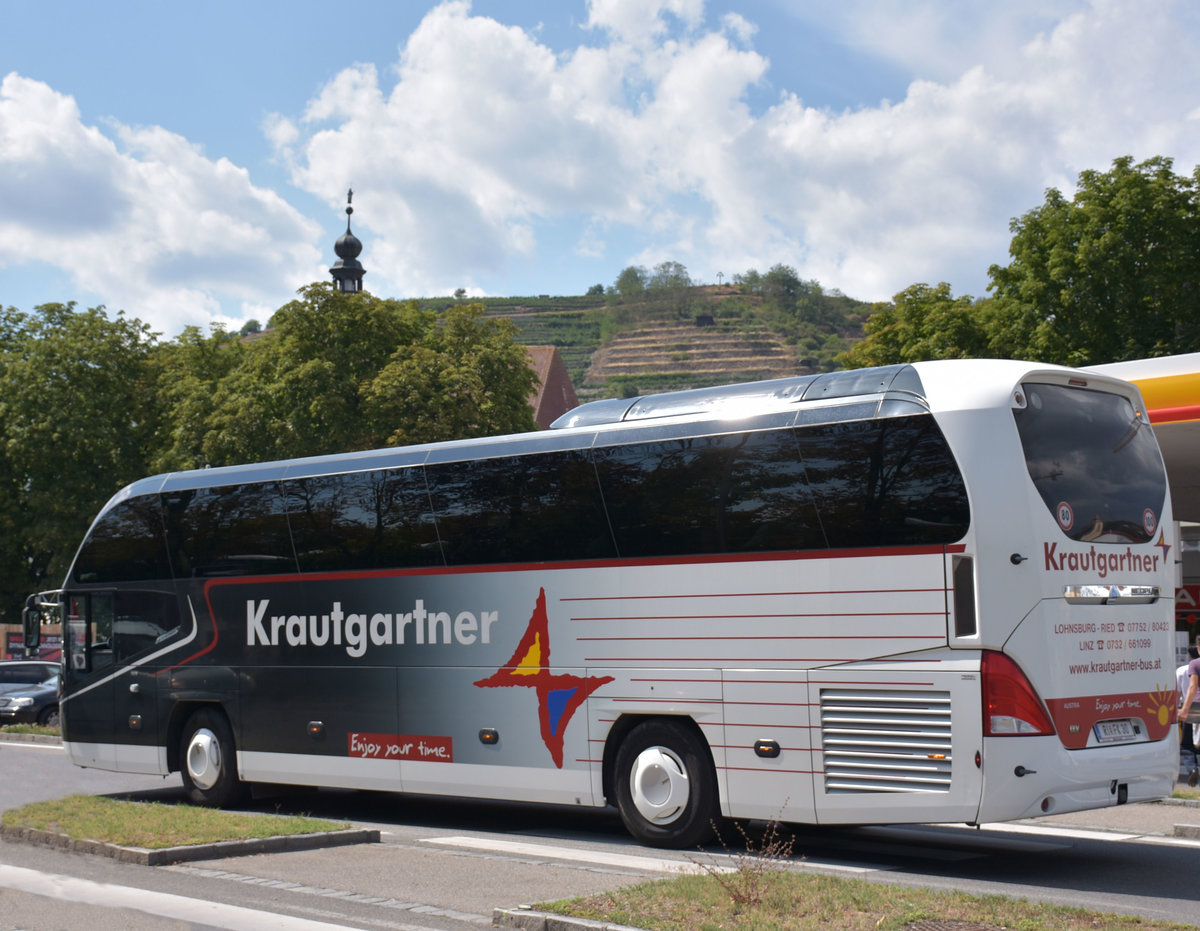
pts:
[1047, 830]
[417, 908]
[542, 851]
[707, 863]
[181, 908]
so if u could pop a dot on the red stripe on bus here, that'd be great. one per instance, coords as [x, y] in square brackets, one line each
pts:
[741, 637]
[871, 681]
[216, 635]
[793, 727]
[737, 747]
[748, 617]
[810, 660]
[849, 591]
[773, 704]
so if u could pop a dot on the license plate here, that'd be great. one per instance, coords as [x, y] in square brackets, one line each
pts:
[1112, 731]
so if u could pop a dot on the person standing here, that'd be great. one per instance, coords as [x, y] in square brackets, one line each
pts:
[1188, 691]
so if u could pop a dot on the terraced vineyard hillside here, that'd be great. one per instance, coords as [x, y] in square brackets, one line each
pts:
[577, 334]
[668, 356]
[644, 347]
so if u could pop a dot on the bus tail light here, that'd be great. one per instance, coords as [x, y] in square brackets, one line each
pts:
[1011, 708]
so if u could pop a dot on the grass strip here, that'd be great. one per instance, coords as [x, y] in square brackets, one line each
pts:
[155, 825]
[31, 729]
[812, 902]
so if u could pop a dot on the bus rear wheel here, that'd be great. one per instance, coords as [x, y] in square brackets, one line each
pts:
[666, 787]
[208, 760]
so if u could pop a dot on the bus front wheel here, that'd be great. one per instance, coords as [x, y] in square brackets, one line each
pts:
[666, 787]
[208, 760]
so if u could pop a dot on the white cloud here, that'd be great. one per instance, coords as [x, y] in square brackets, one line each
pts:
[481, 149]
[932, 38]
[486, 134]
[142, 216]
[641, 22]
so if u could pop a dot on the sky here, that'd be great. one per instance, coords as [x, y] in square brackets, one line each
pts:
[188, 163]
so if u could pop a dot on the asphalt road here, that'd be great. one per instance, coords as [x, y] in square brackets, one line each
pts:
[444, 864]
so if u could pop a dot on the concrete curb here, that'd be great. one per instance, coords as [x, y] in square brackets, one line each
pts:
[10, 737]
[163, 856]
[526, 919]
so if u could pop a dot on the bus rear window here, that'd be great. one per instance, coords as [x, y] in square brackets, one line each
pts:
[1094, 462]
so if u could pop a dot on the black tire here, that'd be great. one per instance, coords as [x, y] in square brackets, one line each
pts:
[666, 786]
[48, 716]
[208, 761]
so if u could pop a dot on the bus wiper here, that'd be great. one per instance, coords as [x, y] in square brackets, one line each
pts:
[1134, 426]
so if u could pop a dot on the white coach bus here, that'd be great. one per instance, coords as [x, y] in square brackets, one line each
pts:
[917, 593]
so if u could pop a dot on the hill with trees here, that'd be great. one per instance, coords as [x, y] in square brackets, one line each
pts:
[658, 330]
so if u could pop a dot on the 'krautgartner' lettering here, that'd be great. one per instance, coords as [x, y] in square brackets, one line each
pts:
[356, 631]
[1102, 562]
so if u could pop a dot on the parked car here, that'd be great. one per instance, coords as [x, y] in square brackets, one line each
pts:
[18, 673]
[31, 704]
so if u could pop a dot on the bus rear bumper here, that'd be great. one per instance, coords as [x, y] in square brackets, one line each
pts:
[1025, 777]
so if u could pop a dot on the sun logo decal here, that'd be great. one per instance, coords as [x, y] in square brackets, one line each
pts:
[558, 696]
[1162, 704]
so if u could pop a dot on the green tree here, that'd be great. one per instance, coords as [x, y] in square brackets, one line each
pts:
[783, 286]
[192, 369]
[631, 283]
[922, 322]
[670, 286]
[354, 371]
[466, 376]
[78, 416]
[669, 276]
[1110, 274]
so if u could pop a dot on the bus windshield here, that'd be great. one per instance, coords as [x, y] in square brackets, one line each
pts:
[1094, 461]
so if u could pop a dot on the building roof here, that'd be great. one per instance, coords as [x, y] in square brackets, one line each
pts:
[554, 395]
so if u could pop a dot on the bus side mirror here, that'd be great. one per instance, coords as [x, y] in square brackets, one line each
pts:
[31, 624]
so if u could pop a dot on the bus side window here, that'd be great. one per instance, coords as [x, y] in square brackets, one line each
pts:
[362, 520]
[885, 482]
[543, 507]
[100, 631]
[735, 493]
[141, 620]
[125, 545]
[228, 530]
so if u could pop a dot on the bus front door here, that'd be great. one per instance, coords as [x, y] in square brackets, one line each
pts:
[110, 711]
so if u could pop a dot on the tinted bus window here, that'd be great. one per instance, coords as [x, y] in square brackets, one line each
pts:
[1094, 462]
[362, 520]
[125, 545]
[141, 620]
[536, 508]
[885, 482]
[230, 530]
[720, 494]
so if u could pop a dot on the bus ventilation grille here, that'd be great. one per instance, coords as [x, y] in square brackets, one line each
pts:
[885, 741]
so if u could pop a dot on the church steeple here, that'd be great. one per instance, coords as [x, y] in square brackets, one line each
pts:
[347, 271]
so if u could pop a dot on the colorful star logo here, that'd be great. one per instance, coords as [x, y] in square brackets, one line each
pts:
[1163, 545]
[559, 696]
